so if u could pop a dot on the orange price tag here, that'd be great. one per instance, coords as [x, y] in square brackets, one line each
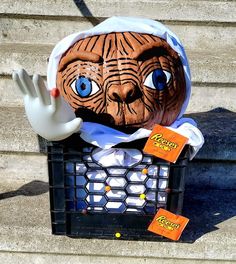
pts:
[165, 143]
[168, 224]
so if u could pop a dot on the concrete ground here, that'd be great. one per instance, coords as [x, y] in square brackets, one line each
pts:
[25, 232]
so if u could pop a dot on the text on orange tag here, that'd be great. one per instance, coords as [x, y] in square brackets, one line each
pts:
[165, 143]
[168, 224]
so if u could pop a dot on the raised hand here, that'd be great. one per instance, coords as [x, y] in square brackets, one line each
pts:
[49, 115]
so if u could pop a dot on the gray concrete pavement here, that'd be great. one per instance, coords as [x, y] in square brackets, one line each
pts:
[25, 229]
[209, 10]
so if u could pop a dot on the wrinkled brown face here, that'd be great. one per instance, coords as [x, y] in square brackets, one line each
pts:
[123, 79]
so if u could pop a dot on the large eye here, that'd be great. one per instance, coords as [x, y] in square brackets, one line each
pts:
[158, 79]
[84, 87]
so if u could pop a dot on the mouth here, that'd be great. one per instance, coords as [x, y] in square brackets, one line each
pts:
[106, 119]
[88, 115]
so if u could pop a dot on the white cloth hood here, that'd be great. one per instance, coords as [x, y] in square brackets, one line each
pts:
[122, 24]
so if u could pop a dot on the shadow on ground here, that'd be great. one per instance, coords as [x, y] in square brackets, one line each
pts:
[206, 209]
[30, 189]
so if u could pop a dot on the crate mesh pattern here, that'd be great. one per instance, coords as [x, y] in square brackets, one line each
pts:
[89, 200]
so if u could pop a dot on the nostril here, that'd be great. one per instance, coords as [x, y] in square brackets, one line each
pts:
[126, 93]
[116, 97]
[129, 95]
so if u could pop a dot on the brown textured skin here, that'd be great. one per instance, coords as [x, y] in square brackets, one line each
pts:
[123, 100]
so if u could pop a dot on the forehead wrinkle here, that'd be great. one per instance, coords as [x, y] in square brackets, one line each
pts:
[120, 79]
[108, 83]
[79, 55]
[121, 68]
[118, 64]
[158, 44]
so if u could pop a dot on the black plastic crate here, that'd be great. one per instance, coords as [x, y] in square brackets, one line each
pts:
[81, 207]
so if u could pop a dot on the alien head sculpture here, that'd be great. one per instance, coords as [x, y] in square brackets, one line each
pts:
[123, 78]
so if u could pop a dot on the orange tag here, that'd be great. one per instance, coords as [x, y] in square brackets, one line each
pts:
[168, 225]
[165, 143]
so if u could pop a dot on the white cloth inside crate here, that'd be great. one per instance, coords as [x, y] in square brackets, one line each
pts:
[106, 155]
[117, 157]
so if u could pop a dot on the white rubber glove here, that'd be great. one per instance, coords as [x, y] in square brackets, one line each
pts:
[49, 115]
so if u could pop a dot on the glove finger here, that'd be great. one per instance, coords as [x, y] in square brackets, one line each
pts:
[55, 99]
[41, 89]
[17, 80]
[27, 83]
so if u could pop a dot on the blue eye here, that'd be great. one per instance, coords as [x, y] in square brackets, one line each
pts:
[158, 79]
[84, 87]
